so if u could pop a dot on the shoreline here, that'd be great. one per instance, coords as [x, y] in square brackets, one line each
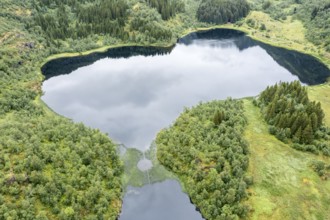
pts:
[103, 49]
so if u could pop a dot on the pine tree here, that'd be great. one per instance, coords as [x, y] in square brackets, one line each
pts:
[314, 121]
[297, 136]
[307, 135]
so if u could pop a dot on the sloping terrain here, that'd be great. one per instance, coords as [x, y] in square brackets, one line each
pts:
[39, 148]
[285, 186]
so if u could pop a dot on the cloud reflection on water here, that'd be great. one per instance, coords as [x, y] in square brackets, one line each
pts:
[132, 99]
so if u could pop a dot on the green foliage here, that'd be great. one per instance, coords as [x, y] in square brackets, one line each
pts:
[321, 168]
[266, 5]
[281, 176]
[293, 118]
[50, 168]
[78, 19]
[278, 9]
[66, 22]
[206, 150]
[315, 15]
[263, 27]
[58, 165]
[222, 11]
[251, 22]
[167, 8]
[219, 117]
[146, 21]
[15, 100]
[53, 168]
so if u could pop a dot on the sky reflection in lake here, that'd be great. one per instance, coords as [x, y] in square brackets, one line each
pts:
[165, 199]
[131, 99]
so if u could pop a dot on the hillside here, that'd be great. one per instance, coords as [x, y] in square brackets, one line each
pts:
[285, 186]
[50, 165]
[280, 182]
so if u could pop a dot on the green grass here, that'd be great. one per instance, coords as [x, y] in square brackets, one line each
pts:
[321, 93]
[285, 187]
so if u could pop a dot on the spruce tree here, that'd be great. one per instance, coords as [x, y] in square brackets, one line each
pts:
[287, 109]
[307, 135]
[297, 135]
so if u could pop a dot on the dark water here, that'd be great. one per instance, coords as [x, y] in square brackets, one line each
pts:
[133, 92]
[161, 201]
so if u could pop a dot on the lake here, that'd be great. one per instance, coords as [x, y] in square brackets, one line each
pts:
[131, 93]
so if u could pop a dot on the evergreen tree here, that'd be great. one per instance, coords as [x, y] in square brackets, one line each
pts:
[222, 11]
[307, 135]
[297, 135]
[287, 109]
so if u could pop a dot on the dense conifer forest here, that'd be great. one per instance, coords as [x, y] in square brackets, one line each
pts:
[78, 19]
[222, 11]
[205, 148]
[293, 118]
[167, 8]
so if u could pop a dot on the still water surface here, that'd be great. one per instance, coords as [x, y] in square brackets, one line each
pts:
[133, 92]
[161, 201]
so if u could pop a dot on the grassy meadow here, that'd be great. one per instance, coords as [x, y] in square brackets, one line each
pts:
[285, 186]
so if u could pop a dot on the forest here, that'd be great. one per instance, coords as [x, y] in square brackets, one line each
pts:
[77, 19]
[56, 168]
[53, 168]
[293, 118]
[205, 148]
[73, 19]
[167, 8]
[222, 11]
